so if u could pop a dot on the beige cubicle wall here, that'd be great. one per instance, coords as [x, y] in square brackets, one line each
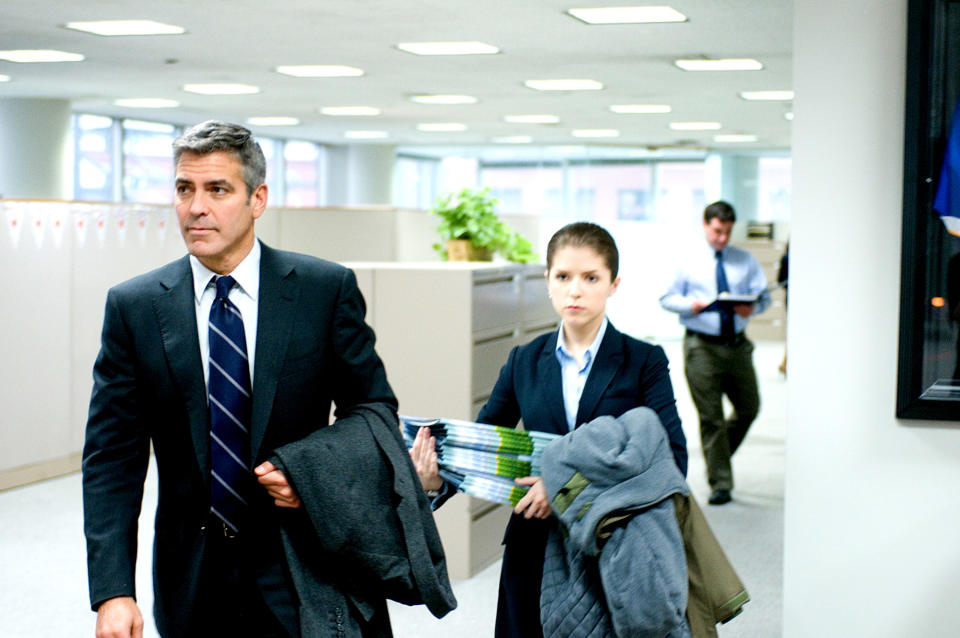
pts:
[444, 331]
[57, 261]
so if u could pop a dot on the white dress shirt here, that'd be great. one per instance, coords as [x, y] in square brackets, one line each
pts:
[244, 296]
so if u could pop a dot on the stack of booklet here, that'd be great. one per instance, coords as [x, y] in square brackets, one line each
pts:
[482, 460]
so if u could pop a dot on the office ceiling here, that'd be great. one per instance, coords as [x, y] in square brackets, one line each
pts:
[244, 41]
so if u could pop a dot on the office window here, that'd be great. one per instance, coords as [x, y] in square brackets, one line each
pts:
[148, 162]
[415, 182]
[531, 190]
[94, 167]
[633, 204]
[583, 202]
[273, 154]
[774, 189]
[681, 195]
[621, 190]
[302, 173]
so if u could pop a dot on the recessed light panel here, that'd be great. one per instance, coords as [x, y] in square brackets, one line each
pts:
[512, 139]
[564, 85]
[365, 135]
[350, 111]
[273, 120]
[735, 139]
[4, 78]
[722, 64]
[771, 96]
[640, 108]
[532, 119]
[221, 89]
[40, 55]
[695, 126]
[448, 48]
[442, 127]
[627, 15]
[595, 132]
[320, 71]
[444, 99]
[147, 103]
[126, 27]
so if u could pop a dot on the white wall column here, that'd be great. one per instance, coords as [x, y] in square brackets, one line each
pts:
[872, 507]
[360, 174]
[35, 148]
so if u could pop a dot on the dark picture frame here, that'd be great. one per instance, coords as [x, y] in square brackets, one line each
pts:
[927, 387]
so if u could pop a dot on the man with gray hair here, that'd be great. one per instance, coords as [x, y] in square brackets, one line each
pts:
[216, 360]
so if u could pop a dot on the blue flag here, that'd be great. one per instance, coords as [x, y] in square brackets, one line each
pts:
[947, 201]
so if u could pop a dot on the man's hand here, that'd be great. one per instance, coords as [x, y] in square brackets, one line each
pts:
[534, 503]
[119, 618]
[276, 485]
[743, 309]
[697, 306]
[424, 457]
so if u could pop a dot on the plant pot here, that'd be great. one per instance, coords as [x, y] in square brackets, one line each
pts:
[464, 250]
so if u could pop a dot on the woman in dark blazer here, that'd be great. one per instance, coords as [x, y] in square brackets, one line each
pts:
[559, 381]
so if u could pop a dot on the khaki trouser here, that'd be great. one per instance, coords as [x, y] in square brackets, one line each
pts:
[714, 370]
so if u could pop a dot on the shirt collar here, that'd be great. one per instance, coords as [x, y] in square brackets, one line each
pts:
[592, 350]
[246, 274]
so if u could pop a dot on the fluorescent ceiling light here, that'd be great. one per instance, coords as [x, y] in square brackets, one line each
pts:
[774, 96]
[320, 71]
[365, 135]
[564, 85]
[788, 116]
[448, 48]
[221, 89]
[147, 103]
[40, 55]
[347, 111]
[272, 120]
[695, 126]
[627, 15]
[723, 64]
[532, 119]
[444, 99]
[4, 78]
[640, 108]
[441, 127]
[595, 132]
[736, 139]
[126, 27]
[512, 139]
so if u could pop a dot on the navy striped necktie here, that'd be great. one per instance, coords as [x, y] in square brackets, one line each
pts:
[726, 315]
[230, 399]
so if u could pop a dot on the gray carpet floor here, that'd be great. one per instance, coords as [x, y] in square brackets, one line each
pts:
[43, 588]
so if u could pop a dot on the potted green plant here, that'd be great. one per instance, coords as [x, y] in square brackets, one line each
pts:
[471, 230]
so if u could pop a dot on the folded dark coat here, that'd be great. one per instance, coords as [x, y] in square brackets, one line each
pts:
[373, 535]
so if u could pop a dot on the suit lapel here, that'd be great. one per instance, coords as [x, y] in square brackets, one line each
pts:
[279, 290]
[605, 367]
[551, 384]
[175, 309]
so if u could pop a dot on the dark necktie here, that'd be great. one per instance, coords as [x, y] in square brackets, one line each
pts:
[229, 389]
[726, 315]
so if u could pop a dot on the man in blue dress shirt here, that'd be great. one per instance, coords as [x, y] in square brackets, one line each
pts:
[718, 357]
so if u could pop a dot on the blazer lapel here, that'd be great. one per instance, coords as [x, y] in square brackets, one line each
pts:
[279, 290]
[175, 309]
[551, 384]
[605, 367]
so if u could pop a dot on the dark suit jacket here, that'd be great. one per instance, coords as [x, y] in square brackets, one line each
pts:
[626, 374]
[313, 348]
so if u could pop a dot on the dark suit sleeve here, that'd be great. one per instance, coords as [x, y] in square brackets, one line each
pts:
[502, 408]
[115, 457]
[657, 394]
[360, 376]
